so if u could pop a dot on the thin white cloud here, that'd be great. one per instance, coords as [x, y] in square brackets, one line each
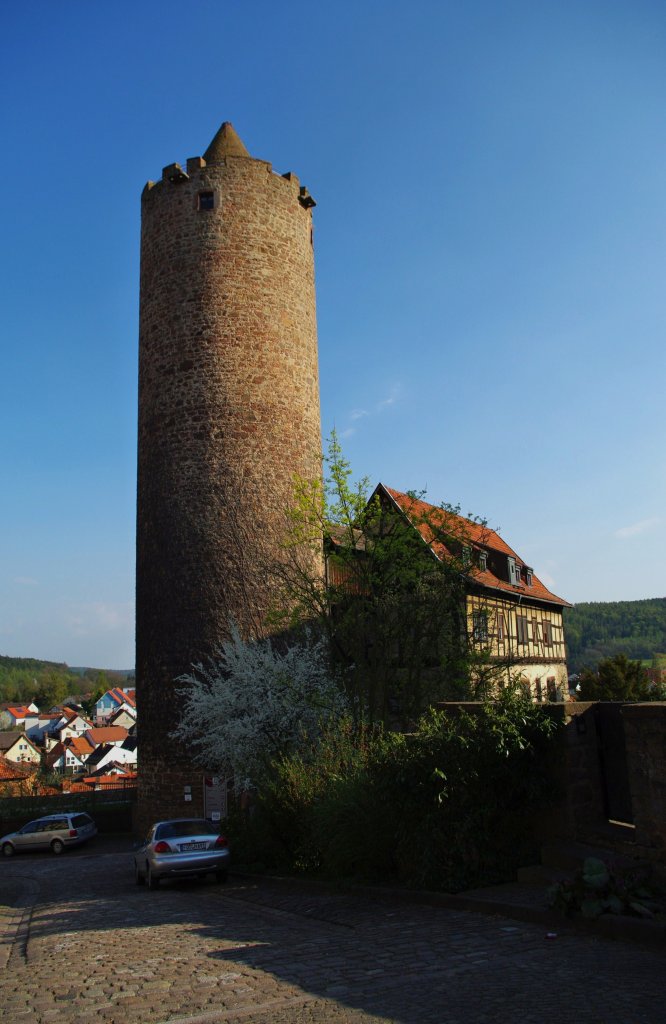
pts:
[390, 399]
[643, 526]
[26, 581]
[361, 414]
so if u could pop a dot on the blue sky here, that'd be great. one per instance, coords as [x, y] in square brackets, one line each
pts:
[490, 255]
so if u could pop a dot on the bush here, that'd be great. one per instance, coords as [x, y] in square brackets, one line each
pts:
[447, 807]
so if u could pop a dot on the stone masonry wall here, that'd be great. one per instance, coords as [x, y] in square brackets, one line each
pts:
[645, 736]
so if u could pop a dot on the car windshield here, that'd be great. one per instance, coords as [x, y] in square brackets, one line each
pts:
[175, 829]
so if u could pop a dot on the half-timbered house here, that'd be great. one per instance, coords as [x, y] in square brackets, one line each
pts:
[509, 611]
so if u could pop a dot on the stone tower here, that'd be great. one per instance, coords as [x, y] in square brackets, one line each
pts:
[228, 414]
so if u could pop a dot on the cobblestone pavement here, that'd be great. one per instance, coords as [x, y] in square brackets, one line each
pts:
[84, 945]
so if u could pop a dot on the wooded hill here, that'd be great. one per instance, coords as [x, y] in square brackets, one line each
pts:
[47, 682]
[596, 630]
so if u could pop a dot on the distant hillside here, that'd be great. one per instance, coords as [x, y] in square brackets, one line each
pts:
[596, 630]
[114, 674]
[27, 679]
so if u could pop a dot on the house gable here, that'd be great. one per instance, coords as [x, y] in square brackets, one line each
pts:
[17, 747]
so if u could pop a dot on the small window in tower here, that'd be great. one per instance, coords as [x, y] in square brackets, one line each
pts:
[206, 201]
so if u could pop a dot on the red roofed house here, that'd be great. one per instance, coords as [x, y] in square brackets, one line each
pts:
[114, 734]
[510, 613]
[17, 713]
[70, 754]
[112, 701]
[72, 723]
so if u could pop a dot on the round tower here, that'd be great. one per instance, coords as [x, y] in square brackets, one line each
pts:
[228, 415]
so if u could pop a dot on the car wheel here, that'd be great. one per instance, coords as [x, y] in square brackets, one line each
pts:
[138, 877]
[222, 875]
[57, 847]
[151, 879]
[7, 850]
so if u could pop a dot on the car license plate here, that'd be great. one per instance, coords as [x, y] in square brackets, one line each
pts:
[194, 846]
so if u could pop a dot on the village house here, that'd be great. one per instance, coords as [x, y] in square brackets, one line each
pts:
[40, 725]
[18, 747]
[112, 701]
[71, 723]
[108, 754]
[69, 755]
[113, 734]
[14, 715]
[510, 612]
[48, 729]
[513, 622]
[124, 716]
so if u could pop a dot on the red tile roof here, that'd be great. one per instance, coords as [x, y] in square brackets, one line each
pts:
[79, 745]
[11, 772]
[428, 519]
[107, 734]
[127, 780]
[123, 697]
[19, 710]
[71, 713]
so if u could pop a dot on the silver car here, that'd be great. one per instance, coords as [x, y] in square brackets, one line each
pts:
[181, 848]
[54, 832]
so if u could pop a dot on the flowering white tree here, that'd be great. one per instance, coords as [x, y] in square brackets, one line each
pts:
[253, 703]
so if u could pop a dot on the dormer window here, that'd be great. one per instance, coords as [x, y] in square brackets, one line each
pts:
[528, 575]
[514, 571]
[483, 560]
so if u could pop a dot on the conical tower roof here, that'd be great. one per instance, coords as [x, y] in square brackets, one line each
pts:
[226, 143]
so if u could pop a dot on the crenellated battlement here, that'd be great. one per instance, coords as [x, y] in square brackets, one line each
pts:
[197, 166]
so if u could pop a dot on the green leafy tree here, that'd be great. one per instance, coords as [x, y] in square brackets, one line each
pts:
[394, 615]
[597, 630]
[53, 688]
[620, 679]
